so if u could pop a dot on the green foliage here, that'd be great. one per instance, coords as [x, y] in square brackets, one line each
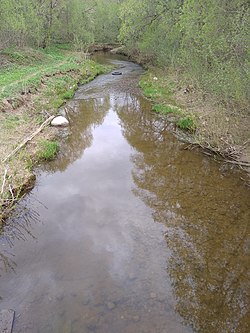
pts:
[151, 92]
[186, 123]
[207, 40]
[54, 52]
[164, 109]
[48, 149]
[42, 23]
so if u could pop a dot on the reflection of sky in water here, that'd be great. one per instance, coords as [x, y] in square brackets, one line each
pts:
[106, 204]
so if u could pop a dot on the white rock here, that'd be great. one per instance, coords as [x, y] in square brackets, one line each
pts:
[60, 121]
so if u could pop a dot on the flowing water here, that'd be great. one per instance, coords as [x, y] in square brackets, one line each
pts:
[127, 232]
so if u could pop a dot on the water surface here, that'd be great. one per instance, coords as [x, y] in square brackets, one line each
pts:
[127, 231]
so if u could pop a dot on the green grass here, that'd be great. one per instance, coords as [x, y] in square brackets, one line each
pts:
[160, 90]
[156, 87]
[27, 68]
[48, 150]
[59, 89]
[150, 90]
[22, 79]
[68, 94]
[186, 123]
[24, 56]
[164, 109]
[13, 121]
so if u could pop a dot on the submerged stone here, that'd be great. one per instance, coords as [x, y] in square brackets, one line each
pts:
[60, 121]
[6, 320]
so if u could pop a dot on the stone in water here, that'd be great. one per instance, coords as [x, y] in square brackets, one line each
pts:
[60, 121]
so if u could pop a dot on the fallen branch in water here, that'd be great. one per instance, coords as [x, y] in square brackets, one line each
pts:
[245, 164]
[44, 124]
[210, 151]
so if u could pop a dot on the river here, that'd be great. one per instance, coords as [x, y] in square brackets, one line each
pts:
[126, 231]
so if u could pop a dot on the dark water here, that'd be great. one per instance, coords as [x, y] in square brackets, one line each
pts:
[126, 231]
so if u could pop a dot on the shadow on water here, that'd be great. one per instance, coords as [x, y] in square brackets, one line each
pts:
[86, 255]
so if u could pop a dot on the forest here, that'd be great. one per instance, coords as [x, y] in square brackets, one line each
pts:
[207, 40]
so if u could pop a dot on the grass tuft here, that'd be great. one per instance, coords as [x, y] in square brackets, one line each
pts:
[48, 150]
[187, 123]
[164, 109]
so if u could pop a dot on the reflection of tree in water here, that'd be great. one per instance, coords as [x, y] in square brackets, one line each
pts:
[92, 113]
[86, 116]
[19, 227]
[207, 220]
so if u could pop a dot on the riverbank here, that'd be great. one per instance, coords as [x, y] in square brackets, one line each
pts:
[34, 84]
[195, 116]
[203, 121]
